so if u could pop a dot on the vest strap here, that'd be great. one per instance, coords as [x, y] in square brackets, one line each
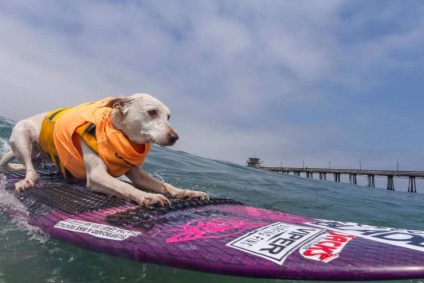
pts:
[87, 132]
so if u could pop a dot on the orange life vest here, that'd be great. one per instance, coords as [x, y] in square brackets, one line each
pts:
[61, 129]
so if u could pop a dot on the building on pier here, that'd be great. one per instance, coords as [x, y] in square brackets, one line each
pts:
[254, 162]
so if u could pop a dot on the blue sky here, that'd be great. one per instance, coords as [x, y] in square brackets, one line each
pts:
[290, 81]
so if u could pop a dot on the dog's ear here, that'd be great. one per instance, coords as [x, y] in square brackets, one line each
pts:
[120, 103]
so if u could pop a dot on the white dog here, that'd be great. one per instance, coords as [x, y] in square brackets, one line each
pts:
[84, 149]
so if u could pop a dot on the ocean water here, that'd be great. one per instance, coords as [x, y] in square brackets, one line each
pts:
[26, 255]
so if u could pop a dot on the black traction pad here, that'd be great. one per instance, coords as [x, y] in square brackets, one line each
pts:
[55, 192]
[141, 217]
[70, 199]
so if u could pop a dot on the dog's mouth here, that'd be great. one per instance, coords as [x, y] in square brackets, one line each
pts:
[168, 140]
[168, 143]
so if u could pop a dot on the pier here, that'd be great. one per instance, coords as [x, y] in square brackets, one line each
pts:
[353, 173]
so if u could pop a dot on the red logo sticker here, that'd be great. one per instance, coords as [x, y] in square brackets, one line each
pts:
[326, 247]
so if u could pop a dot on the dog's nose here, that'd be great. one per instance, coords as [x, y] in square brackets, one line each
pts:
[173, 137]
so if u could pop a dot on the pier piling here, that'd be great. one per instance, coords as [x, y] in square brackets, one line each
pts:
[337, 177]
[371, 181]
[390, 183]
[352, 179]
[412, 186]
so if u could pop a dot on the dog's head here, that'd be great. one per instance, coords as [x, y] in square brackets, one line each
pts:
[143, 119]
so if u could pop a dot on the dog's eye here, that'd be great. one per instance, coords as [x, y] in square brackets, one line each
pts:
[153, 113]
[169, 117]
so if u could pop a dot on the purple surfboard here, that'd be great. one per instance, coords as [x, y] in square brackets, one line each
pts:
[221, 236]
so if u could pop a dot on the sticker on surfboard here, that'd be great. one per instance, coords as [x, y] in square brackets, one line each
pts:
[96, 229]
[409, 239]
[326, 247]
[275, 242]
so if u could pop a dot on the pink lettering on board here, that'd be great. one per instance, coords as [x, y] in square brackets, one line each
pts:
[216, 228]
[273, 215]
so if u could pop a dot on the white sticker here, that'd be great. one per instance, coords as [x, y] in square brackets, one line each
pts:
[95, 229]
[410, 239]
[275, 242]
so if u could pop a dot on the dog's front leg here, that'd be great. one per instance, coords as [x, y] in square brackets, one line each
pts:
[144, 181]
[100, 181]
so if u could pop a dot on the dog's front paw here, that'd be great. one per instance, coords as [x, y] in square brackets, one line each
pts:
[181, 194]
[30, 180]
[23, 185]
[148, 199]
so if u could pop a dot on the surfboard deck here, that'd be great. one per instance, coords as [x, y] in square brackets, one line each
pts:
[220, 236]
